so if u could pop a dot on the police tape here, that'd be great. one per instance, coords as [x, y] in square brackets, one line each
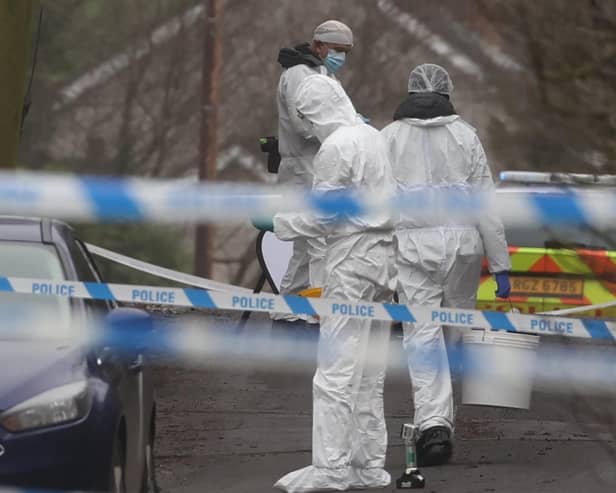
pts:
[580, 309]
[138, 200]
[162, 272]
[295, 305]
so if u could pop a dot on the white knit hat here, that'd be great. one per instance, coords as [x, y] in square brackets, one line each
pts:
[334, 32]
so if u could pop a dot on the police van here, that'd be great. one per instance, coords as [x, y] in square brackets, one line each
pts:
[560, 267]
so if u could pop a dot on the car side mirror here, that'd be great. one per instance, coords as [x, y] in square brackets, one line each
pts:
[128, 331]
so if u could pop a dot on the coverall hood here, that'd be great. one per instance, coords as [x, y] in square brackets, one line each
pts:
[439, 121]
[298, 55]
[324, 106]
[424, 105]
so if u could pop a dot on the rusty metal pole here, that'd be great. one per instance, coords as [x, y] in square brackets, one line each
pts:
[212, 61]
[15, 26]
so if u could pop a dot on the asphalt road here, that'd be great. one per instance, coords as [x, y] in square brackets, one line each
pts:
[230, 427]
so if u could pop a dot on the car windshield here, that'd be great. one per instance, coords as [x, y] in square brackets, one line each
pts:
[22, 313]
[561, 237]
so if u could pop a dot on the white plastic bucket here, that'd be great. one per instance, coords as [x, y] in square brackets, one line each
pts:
[498, 368]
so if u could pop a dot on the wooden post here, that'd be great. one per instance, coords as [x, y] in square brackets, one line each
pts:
[212, 60]
[15, 35]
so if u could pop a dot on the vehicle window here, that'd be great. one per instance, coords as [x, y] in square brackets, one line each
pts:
[88, 257]
[561, 237]
[32, 260]
[538, 236]
[525, 237]
[86, 272]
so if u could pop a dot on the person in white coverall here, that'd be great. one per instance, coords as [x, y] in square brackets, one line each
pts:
[439, 258]
[332, 40]
[349, 437]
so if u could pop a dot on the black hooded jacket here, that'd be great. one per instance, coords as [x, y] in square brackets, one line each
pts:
[424, 105]
[300, 55]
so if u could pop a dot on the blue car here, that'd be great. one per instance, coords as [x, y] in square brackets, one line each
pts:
[72, 416]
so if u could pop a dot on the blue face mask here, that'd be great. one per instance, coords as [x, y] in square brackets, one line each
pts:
[334, 61]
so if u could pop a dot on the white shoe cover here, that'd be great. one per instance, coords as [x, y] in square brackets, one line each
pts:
[313, 479]
[370, 478]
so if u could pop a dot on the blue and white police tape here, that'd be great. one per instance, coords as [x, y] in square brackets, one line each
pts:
[241, 301]
[113, 199]
[108, 199]
[199, 340]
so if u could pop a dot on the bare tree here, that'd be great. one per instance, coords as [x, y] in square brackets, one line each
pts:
[565, 110]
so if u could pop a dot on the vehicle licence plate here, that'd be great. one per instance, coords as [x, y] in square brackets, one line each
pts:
[547, 286]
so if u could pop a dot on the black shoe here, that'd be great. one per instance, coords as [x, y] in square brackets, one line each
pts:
[434, 446]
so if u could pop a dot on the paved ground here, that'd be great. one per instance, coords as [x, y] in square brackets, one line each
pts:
[226, 428]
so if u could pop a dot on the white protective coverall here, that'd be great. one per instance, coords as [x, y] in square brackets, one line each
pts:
[297, 149]
[439, 259]
[349, 438]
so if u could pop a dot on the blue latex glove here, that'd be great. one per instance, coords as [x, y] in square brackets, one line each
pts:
[503, 285]
[263, 224]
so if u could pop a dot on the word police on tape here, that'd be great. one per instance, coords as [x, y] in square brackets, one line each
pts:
[241, 301]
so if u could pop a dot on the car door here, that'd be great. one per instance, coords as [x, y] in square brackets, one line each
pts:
[134, 386]
[585, 263]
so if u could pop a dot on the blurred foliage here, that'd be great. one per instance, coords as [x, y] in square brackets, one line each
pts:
[76, 36]
[564, 106]
[159, 245]
[79, 34]
[15, 21]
